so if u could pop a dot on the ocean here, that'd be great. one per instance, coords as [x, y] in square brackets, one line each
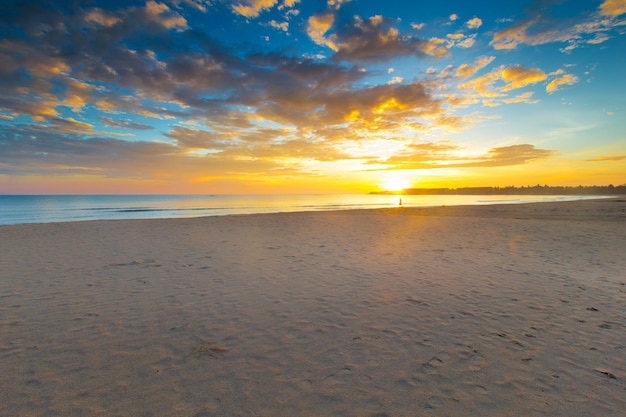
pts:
[21, 209]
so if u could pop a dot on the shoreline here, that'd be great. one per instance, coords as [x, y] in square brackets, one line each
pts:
[63, 209]
[434, 210]
[506, 309]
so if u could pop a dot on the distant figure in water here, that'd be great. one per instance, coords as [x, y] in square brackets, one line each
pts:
[400, 202]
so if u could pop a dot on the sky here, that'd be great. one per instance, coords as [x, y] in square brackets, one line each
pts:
[302, 96]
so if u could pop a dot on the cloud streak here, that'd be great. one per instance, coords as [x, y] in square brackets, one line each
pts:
[444, 155]
[541, 28]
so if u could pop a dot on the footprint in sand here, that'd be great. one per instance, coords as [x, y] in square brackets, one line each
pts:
[477, 363]
[304, 384]
[199, 351]
[342, 375]
[479, 389]
[437, 360]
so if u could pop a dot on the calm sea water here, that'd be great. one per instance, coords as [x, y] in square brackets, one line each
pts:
[18, 209]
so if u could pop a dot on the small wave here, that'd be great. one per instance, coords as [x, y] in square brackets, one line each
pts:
[91, 209]
[169, 209]
[139, 210]
[498, 201]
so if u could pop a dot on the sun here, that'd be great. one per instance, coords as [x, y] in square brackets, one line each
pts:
[396, 184]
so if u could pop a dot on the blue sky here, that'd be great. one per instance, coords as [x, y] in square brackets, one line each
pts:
[300, 96]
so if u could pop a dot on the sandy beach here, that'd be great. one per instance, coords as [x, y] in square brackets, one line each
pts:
[503, 310]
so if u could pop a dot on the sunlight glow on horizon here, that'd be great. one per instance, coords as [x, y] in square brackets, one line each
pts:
[396, 184]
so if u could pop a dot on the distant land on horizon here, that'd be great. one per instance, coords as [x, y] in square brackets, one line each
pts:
[511, 190]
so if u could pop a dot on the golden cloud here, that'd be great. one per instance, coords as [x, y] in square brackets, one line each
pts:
[510, 38]
[106, 105]
[514, 77]
[566, 79]
[252, 8]
[161, 13]
[467, 70]
[46, 67]
[509, 155]
[284, 26]
[317, 27]
[434, 47]
[78, 94]
[336, 4]
[463, 41]
[518, 76]
[613, 7]
[522, 98]
[101, 17]
[188, 138]
[483, 84]
[474, 23]
[442, 155]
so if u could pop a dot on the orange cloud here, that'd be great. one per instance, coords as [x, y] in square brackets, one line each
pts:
[317, 27]
[484, 84]
[284, 26]
[70, 125]
[434, 47]
[512, 155]
[460, 40]
[613, 7]
[467, 70]
[509, 38]
[440, 155]
[78, 94]
[455, 36]
[566, 79]
[161, 13]
[486, 87]
[522, 98]
[518, 76]
[474, 23]
[252, 8]
[188, 138]
[46, 67]
[101, 17]
[106, 105]
[336, 4]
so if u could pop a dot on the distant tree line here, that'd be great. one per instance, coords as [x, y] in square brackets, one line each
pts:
[511, 190]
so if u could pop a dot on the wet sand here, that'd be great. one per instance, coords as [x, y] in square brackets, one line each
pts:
[504, 310]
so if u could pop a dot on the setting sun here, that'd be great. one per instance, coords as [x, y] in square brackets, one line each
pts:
[396, 184]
